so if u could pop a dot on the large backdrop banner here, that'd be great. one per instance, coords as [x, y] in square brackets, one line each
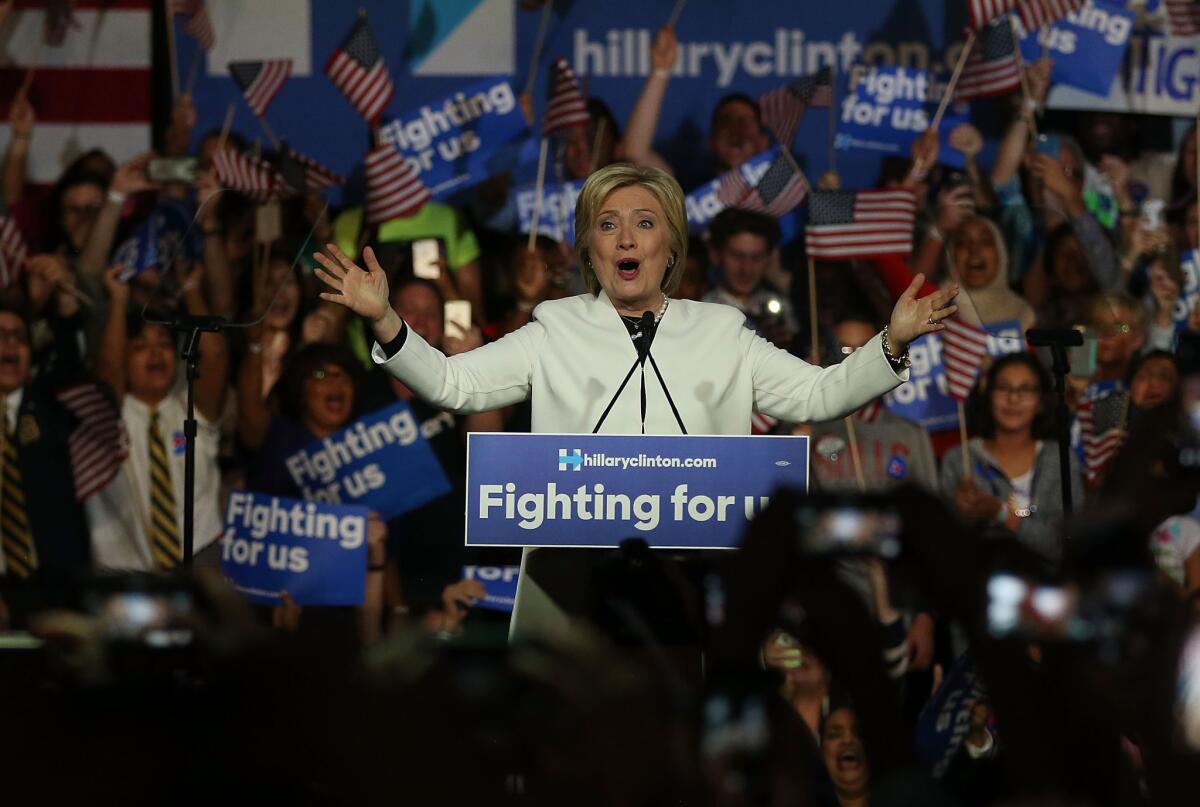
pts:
[437, 48]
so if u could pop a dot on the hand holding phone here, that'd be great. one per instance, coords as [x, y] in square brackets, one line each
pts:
[457, 314]
[181, 170]
[426, 253]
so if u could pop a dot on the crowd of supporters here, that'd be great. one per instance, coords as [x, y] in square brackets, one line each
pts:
[1052, 240]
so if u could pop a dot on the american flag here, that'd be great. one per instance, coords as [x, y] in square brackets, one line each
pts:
[1033, 14]
[565, 105]
[357, 69]
[248, 175]
[854, 224]
[762, 424]
[98, 444]
[1183, 17]
[870, 413]
[964, 347]
[197, 22]
[13, 252]
[301, 173]
[781, 188]
[783, 107]
[994, 65]
[260, 82]
[394, 189]
[1102, 424]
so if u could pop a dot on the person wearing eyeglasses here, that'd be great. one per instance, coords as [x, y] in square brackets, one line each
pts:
[1013, 487]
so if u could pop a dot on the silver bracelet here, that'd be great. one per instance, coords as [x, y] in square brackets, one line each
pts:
[902, 360]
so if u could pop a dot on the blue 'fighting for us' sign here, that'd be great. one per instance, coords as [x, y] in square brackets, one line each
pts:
[596, 490]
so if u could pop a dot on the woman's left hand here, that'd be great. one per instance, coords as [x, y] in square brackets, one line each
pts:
[912, 318]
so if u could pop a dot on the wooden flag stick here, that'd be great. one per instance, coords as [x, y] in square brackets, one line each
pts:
[962, 436]
[1033, 132]
[193, 70]
[855, 456]
[675, 12]
[172, 58]
[226, 126]
[814, 352]
[266, 127]
[537, 196]
[600, 127]
[958, 68]
[833, 116]
[538, 43]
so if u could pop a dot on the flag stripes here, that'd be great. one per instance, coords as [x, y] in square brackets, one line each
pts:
[853, 224]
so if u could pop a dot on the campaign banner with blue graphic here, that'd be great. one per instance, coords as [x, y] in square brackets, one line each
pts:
[317, 553]
[945, 721]
[1087, 46]
[596, 490]
[500, 583]
[556, 216]
[886, 108]
[380, 461]
[702, 204]
[464, 138]
[924, 398]
[166, 235]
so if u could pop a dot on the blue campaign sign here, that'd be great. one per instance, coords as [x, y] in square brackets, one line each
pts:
[1087, 45]
[166, 235]
[317, 553]
[886, 108]
[924, 398]
[381, 461]
[556, 216]
[944, 723]
[702, 204]
[464, 138]
[596, 490]
[500, 583]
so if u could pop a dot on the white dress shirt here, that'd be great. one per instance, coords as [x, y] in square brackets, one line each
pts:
[119, 513]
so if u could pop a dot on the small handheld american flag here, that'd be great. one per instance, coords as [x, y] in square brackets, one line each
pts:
[994, 65]
[1183, 17]
[783, 107]
[260, 82]
[1102, 425]
[855, 224]
[780, 189]
[302, 174]
[964, 347]
[197, 22]
[248, 175]
[357, 69]
[13, 252]
[98, 445]
[565, 106]
[1033, 14]
[394, 189]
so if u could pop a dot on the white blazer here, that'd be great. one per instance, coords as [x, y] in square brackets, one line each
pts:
[574, 354]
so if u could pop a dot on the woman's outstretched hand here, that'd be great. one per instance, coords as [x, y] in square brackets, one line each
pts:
[914, 317]
[365, 292]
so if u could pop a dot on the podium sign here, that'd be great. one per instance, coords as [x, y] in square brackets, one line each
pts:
[596, 490]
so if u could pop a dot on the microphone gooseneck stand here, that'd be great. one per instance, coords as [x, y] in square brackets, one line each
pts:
[647, 328]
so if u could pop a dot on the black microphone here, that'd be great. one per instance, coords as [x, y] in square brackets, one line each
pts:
[646, 329]
[1045, 337]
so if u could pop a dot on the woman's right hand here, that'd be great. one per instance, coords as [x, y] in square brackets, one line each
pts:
[363, 292]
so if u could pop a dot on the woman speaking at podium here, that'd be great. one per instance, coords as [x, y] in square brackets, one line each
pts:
[576, 358]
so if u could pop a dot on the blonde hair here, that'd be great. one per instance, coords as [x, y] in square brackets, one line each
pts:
[662, 186]
[1107, 302]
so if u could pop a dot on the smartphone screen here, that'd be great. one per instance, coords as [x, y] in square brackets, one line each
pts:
[1083, 357]
[1049, 145]
[425, 254]
[458, 318]
[172, 169]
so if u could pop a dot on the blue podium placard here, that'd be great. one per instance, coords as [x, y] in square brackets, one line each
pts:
[596, 490]
[317, 553]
